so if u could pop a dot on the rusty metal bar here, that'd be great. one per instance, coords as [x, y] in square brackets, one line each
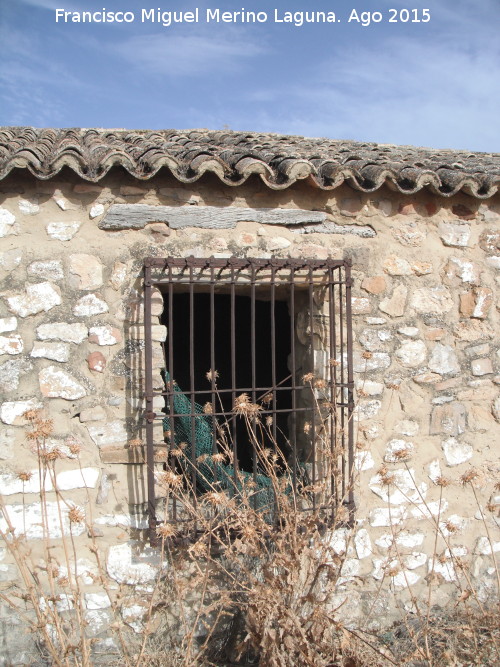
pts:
[148, 395]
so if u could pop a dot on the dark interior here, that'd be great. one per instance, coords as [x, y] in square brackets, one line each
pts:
[179, 339]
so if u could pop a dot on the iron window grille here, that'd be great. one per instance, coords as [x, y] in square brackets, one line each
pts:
[277, 330]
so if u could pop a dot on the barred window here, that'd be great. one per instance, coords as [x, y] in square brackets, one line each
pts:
[257, 358]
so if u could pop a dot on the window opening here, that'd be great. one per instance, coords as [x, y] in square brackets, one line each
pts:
[276, 330]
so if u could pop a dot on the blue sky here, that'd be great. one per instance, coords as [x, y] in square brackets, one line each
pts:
[430, 84]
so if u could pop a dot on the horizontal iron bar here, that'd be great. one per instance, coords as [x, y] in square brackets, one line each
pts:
[239, 263]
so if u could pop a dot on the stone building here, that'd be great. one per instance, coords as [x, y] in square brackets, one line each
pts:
[81, 210]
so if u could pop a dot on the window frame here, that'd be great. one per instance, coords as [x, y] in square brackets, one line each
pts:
[176, 271]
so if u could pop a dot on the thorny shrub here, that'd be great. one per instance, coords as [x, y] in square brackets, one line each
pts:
[242, 584]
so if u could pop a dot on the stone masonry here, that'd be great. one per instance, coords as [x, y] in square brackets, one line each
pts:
[426, 353]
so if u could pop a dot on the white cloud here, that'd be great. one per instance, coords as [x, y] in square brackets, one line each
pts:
[175, 55]
[439, 91]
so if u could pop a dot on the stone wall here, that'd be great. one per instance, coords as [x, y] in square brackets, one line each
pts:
[427, 353]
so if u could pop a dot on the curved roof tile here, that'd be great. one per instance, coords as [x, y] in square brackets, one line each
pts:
[279, 160]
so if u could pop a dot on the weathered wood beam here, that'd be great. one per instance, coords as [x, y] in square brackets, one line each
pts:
[137, 216]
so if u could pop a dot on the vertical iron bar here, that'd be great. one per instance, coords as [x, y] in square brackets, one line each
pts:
[293, 419]
[233, 375]
[191, 384]
[313, 416]
[350, 390]
[273, 351]
[170, 387]
[148, 377]
[253, 363]
[332, 421]
[342, 380]
[212, 365]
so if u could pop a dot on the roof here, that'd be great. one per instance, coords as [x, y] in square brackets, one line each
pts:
[279, 160]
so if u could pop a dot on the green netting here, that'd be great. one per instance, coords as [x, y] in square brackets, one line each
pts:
[212, 475]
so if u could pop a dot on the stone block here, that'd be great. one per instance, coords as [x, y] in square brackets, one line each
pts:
[80, 478]
[96, 361]
[12, 344]
[374, 284]
[54, 351]
[50, 269]
[11, 411]
[397, 266]
[62, 231]
[432, 300]
[56, 383]
[476, 303]
[109, 434]
[465, 271]
[473, 330]
[489, 241]
[104, 335]
[456, 452]
[454, 235]
[63, 331]
[395, 304]
[89, 305]
[411, 353]
[85, 272]
[37, 298]
[118, 275]
[10, 259]
[7, 223]
[443, 360]
[481, 366]
[96, 211]
[360, 305]
[8, 324]
[449, 418]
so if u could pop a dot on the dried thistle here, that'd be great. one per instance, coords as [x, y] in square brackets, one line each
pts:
[442, 481]
[165, 531]
[25, 476]
[386, 477]
[402, 454]
[367, 355]
[269, 420]
[32, 415]
[74, 447]
[307, 427]
[212, 375]
[362, 393]
[208, 408]
[334, 362]
[243, 406]
[469, 476]
[394, 386]
[308, 377]
[45, 427]
[76, 515]
[267, 398]
[135, 442]
[169, 479]
[219, 457]
[216, 498]
[320, 383]
[176, 452]
[450, 526]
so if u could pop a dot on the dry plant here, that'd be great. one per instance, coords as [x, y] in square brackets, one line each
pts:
[249, 583]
